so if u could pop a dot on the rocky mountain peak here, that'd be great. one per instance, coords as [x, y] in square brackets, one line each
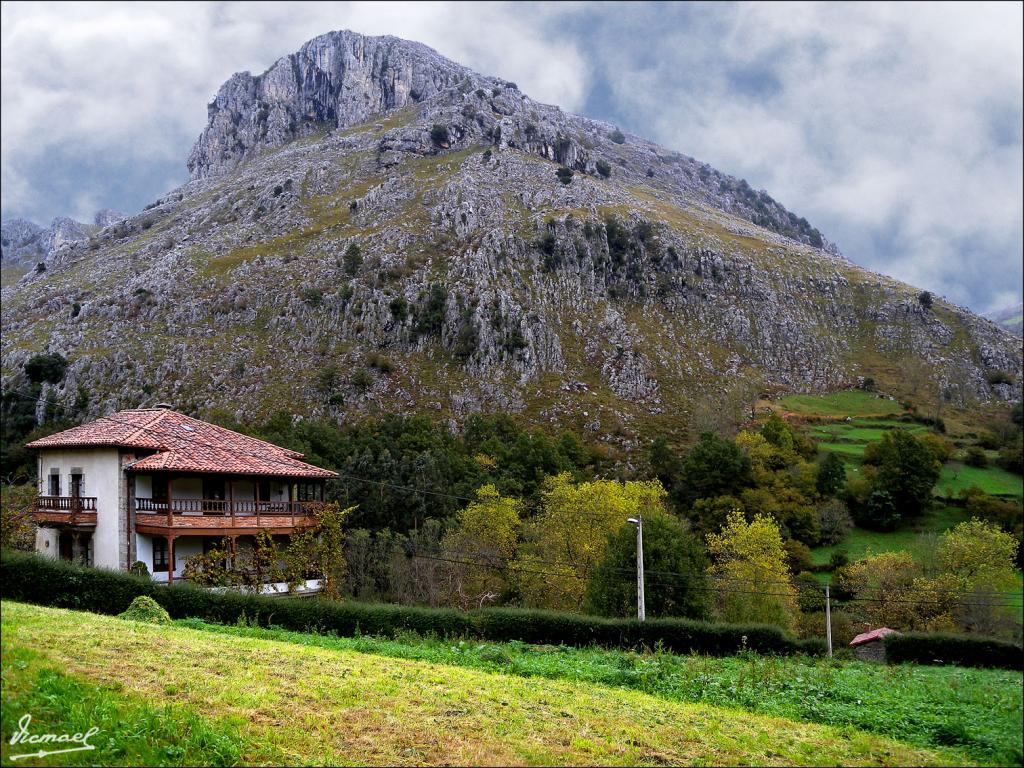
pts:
[334, 81]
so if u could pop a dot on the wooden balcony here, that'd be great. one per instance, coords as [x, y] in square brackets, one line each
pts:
[71, 511]
[215, 517]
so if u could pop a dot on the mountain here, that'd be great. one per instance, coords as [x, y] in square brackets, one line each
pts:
[372, 228]
[25, 244]
[1010, 318]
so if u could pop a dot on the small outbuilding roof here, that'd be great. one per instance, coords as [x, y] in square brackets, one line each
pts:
[872, 636]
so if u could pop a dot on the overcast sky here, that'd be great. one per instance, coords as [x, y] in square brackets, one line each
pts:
[896, 129]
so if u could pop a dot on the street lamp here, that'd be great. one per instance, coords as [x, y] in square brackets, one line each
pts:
[641, 609]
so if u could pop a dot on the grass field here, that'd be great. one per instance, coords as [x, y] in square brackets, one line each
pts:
[850, 438]
[851, 402]
[913, 537]
[956, 477]
[183, 695]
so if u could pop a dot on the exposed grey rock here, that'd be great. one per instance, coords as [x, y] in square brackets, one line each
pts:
[107, 217]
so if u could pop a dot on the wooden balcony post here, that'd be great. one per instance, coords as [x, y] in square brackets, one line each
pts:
[170, 552]
[170, 499]
[231, 499]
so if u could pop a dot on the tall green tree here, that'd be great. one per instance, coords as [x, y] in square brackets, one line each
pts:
[567, 539]
[752, 576]
[480, 546]
[676, 563]
[714, 467]
[907, 470]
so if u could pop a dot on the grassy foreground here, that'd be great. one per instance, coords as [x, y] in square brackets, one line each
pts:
[912, 704]
[232, 699]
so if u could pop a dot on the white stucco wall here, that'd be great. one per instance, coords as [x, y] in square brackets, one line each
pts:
[100, 475]
[48, 542]
[144, 550]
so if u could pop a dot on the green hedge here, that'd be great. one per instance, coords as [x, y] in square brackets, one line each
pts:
[962, 650]
[33, 579]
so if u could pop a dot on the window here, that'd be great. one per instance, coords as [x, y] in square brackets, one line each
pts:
[54, 482]
[309, 492]
[159, 486]
[159, 555]
[77, 483]
[213, 488]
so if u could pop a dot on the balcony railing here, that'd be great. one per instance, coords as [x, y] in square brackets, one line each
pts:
[200, 514]
[65, 510]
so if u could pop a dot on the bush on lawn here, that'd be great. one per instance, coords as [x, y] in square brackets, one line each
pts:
[962, 650]
[146, 609]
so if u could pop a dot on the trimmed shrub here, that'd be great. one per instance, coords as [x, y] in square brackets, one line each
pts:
[146, 609]
[33, 579]
[961, 650]
[976, 457]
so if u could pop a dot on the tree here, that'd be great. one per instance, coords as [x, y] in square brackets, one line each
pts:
[907, 470]
[567, 539]
[709, 515]
[439, 134]
[618, 136]
[979, 553]
[353, 259]
[879, 512]
[753, 578]
[976, 457]
[831, 475]
[17, 530]
[677, 567]
[834, 521]
[484, 540]
[885, 586]
[564, 175]
[714, 467]
[604, 170]
[925, 299]
[49, 368]
[329, 552]
[980, 559]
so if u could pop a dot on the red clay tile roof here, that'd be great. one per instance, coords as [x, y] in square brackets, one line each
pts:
[184, 444]
[875, 634]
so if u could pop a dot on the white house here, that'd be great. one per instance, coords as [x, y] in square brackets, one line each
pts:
[156, 486]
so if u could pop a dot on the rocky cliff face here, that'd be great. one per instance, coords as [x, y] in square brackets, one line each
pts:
[334, 81]
[26, 244]
[372, 228]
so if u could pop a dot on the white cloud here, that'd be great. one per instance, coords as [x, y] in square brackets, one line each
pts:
[881, 123]
[132, 80]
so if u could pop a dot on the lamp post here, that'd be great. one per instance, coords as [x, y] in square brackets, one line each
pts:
[641, 609]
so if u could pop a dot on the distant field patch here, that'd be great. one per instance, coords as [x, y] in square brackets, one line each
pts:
[956, 477]
[851, 402]
[860, 542]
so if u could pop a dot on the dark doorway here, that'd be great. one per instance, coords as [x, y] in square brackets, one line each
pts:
[65, 545]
